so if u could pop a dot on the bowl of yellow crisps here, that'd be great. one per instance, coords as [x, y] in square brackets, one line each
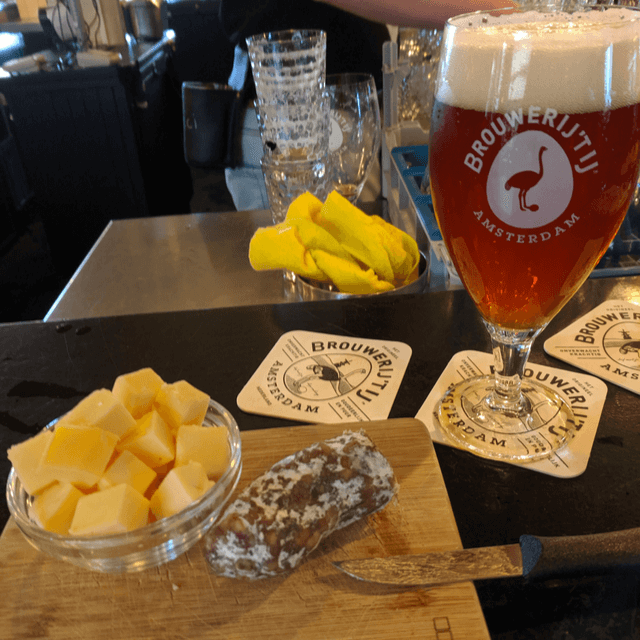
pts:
[336, 250]
[130, 478]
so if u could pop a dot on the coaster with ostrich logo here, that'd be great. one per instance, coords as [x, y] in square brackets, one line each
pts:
[318, 377]
[605, 342]
[584, 394]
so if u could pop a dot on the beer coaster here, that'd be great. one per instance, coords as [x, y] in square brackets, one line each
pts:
[318, 377]
[605, 342]
[585, 395]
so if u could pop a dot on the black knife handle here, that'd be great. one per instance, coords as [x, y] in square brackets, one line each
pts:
[579, 555]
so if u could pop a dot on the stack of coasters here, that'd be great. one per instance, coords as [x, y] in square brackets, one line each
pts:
[317, 377]
[605, 342]
[585, 395]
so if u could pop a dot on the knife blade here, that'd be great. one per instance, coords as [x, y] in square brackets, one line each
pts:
[533, 557]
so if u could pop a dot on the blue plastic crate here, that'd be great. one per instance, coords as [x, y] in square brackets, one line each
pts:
[412, 162]
[410, 157]
[422, 201]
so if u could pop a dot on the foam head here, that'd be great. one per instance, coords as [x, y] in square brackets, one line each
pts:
[573, 62]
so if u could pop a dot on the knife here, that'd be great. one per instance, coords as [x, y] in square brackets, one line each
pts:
[533, 557]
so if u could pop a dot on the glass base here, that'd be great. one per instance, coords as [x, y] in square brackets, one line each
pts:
[540, 425]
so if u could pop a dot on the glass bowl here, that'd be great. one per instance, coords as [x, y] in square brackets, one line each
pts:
[307, 290]
[148, 546]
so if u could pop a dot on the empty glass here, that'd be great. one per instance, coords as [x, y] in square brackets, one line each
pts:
[354, 140]
[289, 70]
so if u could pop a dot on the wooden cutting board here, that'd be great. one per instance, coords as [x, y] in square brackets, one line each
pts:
[46, 598]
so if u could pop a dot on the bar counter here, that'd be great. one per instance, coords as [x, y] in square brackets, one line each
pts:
[170, 263]
[178, 263]
[46, 367]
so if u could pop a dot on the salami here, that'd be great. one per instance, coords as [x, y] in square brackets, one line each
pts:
[284, 514]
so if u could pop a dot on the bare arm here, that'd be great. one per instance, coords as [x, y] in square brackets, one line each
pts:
[415, 13]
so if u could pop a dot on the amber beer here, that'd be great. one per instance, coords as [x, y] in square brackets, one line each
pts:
[532, 172]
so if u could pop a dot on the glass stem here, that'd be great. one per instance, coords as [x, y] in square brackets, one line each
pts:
[511, 350]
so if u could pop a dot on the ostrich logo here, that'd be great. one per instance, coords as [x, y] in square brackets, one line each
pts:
[621, 343]
[530, 181]
[525, 180]
[322, 377]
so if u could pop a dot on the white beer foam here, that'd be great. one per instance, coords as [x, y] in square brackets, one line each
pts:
[550, 60]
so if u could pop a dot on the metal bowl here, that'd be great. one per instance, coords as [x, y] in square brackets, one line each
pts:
[307, 290]
[148, 546]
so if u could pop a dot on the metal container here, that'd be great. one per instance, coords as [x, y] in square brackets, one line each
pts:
[144, 18]
[307, 290]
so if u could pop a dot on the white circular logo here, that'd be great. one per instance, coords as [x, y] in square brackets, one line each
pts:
[530, 182]
[335, 135]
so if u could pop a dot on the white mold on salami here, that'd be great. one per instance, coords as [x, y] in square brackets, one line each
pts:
[284, 514]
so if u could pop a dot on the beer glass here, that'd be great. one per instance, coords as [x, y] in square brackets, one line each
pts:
[355, 136]
[534, 155]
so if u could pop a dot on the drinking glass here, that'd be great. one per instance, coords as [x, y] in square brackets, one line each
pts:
[355, 135]
[418, 58]
[292, 106]
[534, 146]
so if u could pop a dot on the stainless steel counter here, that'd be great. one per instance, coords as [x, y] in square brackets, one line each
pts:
[170, 263]
[181, 263]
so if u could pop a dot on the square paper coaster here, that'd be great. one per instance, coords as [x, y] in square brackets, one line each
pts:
[318, 377]
[585, 395]
[605, 342]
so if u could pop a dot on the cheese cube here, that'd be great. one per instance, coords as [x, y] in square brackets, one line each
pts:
[25, 458]
[79, 454]
[181, 403]
[129, 469]
[181, 486]
[136, 390]
[115, 510]
[207, 445]
[151, 441]
[55, 506]
[101, 409]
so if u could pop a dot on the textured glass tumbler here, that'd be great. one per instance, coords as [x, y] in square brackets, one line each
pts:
[289, 71]
[287, 179]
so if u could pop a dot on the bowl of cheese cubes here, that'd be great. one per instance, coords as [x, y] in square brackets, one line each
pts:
[130, 478]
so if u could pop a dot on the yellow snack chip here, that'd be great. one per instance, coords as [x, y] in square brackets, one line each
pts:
[313, 236]
[349, 242]
[350, 278]
[279, 247]
[357, 233]
[401, 248]
[306, 206]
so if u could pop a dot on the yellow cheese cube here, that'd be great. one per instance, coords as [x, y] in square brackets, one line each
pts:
[79, 454]
[136, 390]
[25, 458]
[55, 506]
[207, 445]
[129, 469]
[115, 510]
[181, 403]
[181, 486]
[101, 409]
[151, 441]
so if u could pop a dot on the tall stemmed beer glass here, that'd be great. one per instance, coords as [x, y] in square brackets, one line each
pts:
[534, 155]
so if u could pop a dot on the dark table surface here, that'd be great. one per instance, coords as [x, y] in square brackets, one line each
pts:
[45, 368]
